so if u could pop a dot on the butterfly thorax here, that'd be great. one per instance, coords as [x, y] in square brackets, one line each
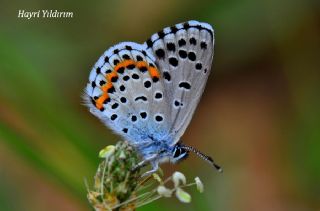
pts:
[162, 151]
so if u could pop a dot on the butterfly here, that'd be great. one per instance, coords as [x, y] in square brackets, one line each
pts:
[147, 93]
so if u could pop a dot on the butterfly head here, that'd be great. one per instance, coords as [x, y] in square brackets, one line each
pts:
[178, 154]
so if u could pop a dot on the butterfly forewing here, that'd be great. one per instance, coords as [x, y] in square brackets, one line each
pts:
[183, 55]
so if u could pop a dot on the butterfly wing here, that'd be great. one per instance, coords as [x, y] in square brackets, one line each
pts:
[126, 93]
[183, 55]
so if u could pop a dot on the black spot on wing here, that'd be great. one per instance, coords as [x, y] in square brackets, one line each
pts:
[182, 42]
[123, 100]
[177, 103]
[122, 88]
[193, 41]
[173, 29]
[121, 70]
[129, 48]
[115, 105]
[114, 79]
[98, 70]
[111, 90]
[126, 78]
[135, 76]
[158, 118]
[161, 34]
[160, 53]
[183, 54]
[116, 51]
[155, 79]
[149, 43]
[143, 69]
[192, 56]
[198, 66]
[116, 61]
[167, 76]
[139, 58]
[203, 45]
[143, 115]
[126, 56]
[114, 117]
[158, 95]
[173, 61]
[130, 66]
[171, 47]
[144, 53]
[185, 85]
[142, 98]
[147, 84]
[134, 118]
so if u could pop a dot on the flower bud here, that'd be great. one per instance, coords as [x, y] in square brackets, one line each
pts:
[183, 196]
[199, 184]
[178, 178]
[163, 191]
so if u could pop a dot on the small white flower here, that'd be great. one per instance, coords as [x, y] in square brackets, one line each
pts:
[163, 191]
[178, 178]
[107, 151]
[183, 196]
[199, 184]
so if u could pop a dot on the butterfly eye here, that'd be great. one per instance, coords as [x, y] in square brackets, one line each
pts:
[177, 152]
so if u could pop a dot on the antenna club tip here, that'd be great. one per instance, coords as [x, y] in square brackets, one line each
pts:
[219, 169]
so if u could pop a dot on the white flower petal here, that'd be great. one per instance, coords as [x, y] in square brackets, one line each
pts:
[163, 191]
[183, 196]
[107, 151]
[199, 184]
[178, 178]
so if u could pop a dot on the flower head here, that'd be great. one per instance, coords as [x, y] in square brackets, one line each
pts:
[117, 187]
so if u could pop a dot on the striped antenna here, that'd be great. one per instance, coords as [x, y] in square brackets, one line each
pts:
[202, 156]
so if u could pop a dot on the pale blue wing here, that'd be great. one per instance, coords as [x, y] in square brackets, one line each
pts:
[184, 55]
[135, 107]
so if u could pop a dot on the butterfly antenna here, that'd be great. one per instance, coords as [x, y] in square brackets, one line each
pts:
[202, 156]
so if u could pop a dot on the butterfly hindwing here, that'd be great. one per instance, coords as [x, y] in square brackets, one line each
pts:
[126, 93]
[183, 54]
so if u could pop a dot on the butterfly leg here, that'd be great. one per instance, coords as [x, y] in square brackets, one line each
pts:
[141, 144]
[144, 162]
[155, 167]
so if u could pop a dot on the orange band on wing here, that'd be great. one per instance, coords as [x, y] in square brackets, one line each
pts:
[106, 87]
[141, 64]
[111, 75]
[101, 100]
[153, 71]
[125, 63]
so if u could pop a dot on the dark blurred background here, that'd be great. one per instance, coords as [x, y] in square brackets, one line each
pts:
[259, 116]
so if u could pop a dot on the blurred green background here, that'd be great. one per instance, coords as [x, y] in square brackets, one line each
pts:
[259, 116]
